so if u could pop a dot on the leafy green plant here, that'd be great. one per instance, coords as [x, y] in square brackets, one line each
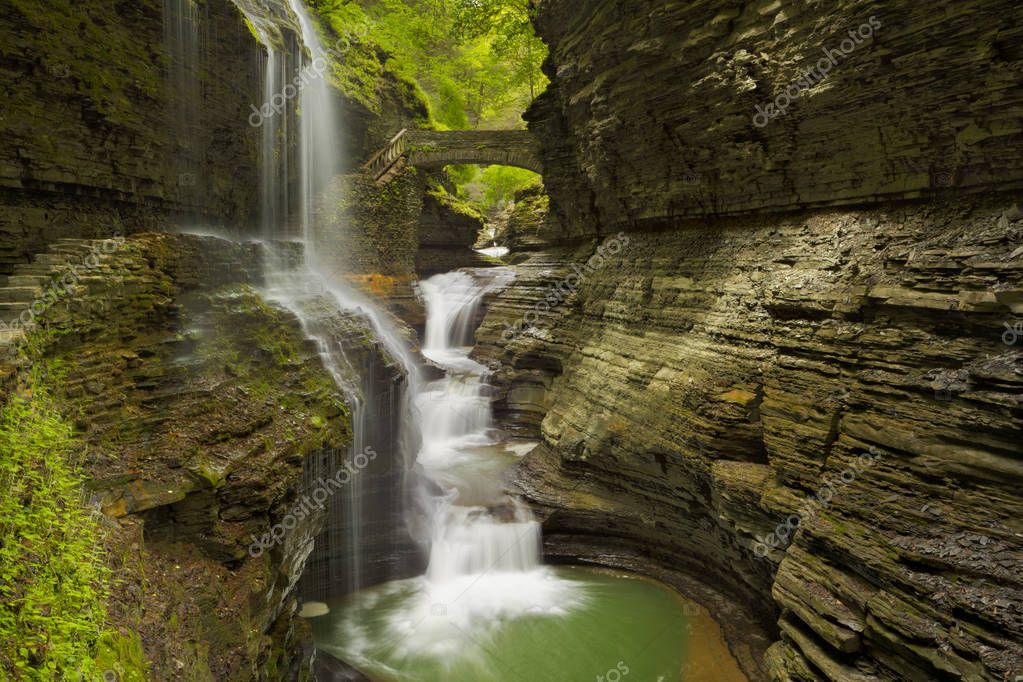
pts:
[477, 61]
[54, 583]
[500, 183]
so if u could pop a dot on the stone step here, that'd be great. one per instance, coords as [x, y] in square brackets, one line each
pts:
[20, 280]
[24, 294]
[79, 246]
[73, 241]
[9, 337]
[12, 310]
[74, 251]
[52, 259]
[36, 269]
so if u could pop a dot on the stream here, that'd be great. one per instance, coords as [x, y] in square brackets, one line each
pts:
[487, 607]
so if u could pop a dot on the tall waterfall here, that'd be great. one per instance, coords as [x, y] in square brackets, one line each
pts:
[274, 155]
[183, 35]
[319, 142]
[484, 567]
[484, 547]
[366, 538]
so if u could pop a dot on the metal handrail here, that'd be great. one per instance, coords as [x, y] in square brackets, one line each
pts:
[382, 161]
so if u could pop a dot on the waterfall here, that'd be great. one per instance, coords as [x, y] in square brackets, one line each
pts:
[320, 148]
[365, 540]
[274, 153]
[485, 554]
[476, 530]
[183, 40]
[477, 537]
[452, 302]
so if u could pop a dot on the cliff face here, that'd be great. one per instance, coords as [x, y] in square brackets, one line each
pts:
[717, 379]
[124, 114]
[918, 100]
[135, 116]
[448, 231]
[203, 410]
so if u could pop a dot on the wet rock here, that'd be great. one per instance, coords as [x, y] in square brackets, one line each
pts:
[199, 403]
[683, 407]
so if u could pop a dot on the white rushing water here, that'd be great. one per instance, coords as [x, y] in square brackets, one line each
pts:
[273, 159]
[320, 300]
[184, 34]
[485, 556]
[484, 547]
[320, 149]
[485, 561]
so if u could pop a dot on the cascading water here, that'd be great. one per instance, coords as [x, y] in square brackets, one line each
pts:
[274, 154]
[183, 39]
[365, 539]
[476, 530]
[484, 547]
[319, 141]
[487, 609]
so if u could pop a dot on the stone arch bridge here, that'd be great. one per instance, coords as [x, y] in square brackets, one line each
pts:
[439, 148]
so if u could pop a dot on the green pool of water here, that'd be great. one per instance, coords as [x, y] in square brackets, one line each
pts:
[557, 625]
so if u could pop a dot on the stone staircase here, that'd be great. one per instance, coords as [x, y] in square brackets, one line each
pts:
[28, 285]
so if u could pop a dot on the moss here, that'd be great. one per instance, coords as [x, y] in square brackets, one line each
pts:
[126, 71]
[157, 366]
[362, 69]
[54, 580]
[457, 204]
[252, 29]
[122, 653]
[209, 472]
[261, 351]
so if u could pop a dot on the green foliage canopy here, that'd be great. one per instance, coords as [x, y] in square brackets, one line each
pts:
[478, 61]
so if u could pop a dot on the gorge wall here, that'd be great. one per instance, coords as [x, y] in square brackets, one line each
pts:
[105, 129]
[865, 101]
[201, 406]
[126, 117]
[735, 327]
[198, 406]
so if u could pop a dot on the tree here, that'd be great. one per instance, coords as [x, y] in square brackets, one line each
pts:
[509, 23]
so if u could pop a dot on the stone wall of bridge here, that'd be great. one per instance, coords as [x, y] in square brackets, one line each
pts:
[436, 149]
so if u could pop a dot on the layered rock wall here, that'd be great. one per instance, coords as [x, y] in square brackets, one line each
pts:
[738, 334]
[201, 406]
[652, 114]
[139, 116]
[701, 386]
[125, 114]
[448, 231]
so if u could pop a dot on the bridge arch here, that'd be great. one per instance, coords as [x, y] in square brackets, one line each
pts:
[439, 148]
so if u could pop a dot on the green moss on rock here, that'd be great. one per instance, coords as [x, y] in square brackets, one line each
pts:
[54, 582]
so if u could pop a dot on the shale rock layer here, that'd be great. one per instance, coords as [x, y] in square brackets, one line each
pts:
[700, 387]
[782, 352]
[200, 405]
[654, 107]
